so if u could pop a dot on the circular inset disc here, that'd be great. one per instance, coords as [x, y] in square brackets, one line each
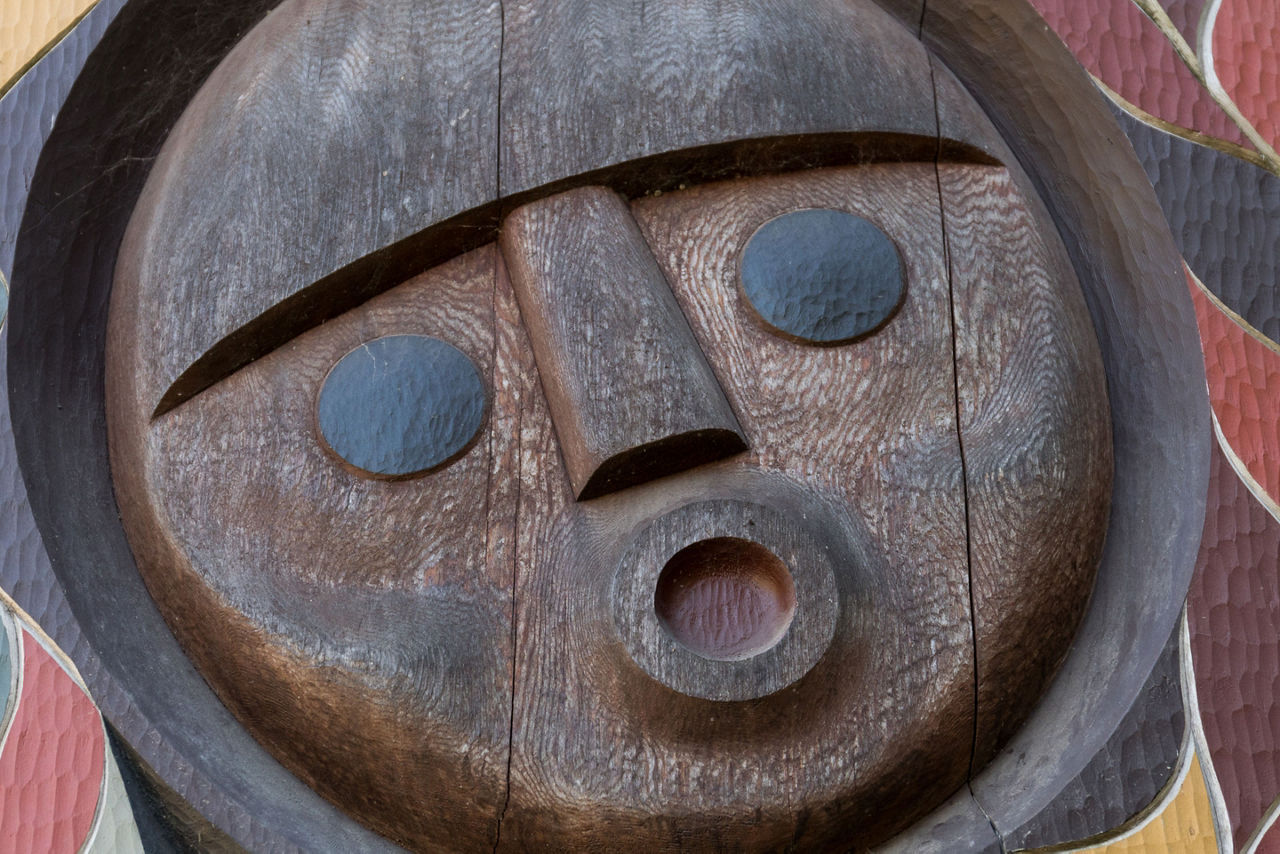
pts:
[400, 405]
[725, 598]
[822, 276]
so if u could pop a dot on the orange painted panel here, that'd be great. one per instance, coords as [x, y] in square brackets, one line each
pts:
[28, 26]
[1184, 825]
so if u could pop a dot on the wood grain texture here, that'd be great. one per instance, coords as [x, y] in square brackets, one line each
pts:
[276, 150]
[407, 233]
[91, 171]
[356, 627]
[165, 821]
[1036, 434]
[726, 598]
[1059, 130]
[1224, 214]
[1233, 611]
[1126, 775]
[849, 460]
[841, 451]
[51, 266]
[121, 109]
[27, 113]
[764, 69]
[960, 117]
[630, 392]
[769, 524]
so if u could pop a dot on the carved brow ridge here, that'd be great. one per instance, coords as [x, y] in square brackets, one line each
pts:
[379, 271]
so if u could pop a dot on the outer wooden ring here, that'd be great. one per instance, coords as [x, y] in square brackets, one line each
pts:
[1061, 131]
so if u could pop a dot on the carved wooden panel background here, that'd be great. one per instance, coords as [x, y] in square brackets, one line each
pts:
[1187, 763]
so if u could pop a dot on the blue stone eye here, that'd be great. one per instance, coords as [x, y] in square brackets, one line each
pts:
[401, 405]
[822, 276]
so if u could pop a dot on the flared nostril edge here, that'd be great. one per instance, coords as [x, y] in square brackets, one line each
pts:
[669, 455]
[630, 391]
[729, 600]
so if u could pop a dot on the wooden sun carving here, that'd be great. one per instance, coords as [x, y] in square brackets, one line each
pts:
[699, 512]
[588, 425]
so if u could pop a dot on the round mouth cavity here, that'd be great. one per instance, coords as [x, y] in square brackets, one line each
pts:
[725, 598]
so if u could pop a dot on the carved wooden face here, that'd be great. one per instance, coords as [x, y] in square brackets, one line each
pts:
[753, 510]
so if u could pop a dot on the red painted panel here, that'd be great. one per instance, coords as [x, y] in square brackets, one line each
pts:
[1246, 48]
[52, 765]
[1244, 388]
[1123, 48]
[1270, 843]
[1233, 609]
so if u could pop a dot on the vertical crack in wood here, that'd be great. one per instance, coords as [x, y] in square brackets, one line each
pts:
[955, 378]
[964, 472]
[515, 550]
[515, 576]
[1004, 849]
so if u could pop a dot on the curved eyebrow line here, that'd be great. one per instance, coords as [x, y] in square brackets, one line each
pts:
[379, 271]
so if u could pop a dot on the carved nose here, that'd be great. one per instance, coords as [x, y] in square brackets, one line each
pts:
[629, 389]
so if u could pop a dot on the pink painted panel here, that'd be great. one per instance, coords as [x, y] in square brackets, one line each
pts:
[1270, 843]
[1244, 388]
[1123, 48]
[1246, 48]
[52, 766]
[1233, 611]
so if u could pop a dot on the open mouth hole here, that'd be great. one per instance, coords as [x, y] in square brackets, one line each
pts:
[725, 598]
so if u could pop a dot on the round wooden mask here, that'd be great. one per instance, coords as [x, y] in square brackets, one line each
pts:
[688, 430]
